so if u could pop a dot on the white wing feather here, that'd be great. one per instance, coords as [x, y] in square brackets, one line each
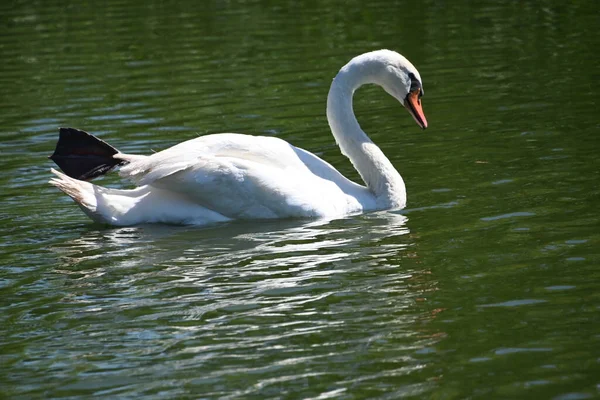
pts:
[243, 176]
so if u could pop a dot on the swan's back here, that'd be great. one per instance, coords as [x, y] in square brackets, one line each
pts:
[243, 176]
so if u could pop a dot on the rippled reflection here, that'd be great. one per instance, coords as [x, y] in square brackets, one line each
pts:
[272, 299]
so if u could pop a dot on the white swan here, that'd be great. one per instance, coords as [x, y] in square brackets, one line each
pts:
[229, 176]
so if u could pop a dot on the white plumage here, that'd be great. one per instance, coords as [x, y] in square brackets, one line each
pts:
[228, 176]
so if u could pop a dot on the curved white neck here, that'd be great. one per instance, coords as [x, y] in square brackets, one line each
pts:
[375, 169]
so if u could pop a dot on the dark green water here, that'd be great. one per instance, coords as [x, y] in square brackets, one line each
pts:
[486, 286]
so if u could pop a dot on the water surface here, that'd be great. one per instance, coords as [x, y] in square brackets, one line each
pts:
[486, 286]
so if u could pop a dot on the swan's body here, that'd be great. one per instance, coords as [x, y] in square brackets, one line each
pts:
[228, 176]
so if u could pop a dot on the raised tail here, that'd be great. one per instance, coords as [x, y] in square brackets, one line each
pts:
[82, 192]
[104, 205]
[82, 155]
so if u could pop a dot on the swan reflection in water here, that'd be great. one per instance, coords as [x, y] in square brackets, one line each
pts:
[240, 262]
[277, 243]
[243, 288]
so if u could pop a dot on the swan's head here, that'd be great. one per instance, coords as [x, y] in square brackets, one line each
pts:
[402, 80]
[396, 75]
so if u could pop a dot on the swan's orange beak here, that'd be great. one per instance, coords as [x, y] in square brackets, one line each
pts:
[413, 105]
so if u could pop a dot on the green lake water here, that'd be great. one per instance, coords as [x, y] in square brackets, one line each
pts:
[486, 286]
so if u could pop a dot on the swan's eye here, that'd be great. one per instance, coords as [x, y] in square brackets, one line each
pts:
[419, 94]
[415, 84]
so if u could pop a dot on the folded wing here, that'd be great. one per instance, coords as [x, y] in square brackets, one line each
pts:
[242, 176]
